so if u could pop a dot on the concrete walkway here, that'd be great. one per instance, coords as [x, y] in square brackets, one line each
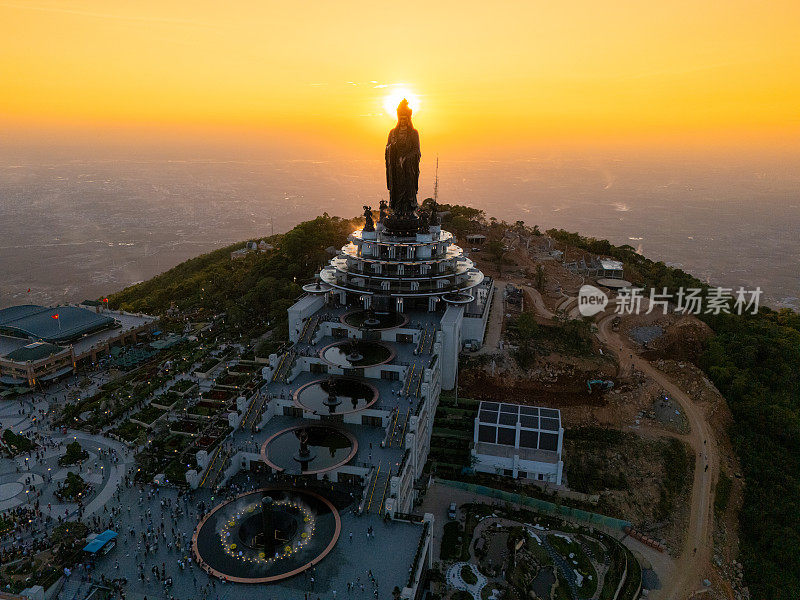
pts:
[494, 328]
[455, 580]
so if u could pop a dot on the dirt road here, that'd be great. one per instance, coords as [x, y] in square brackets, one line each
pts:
[693, 565]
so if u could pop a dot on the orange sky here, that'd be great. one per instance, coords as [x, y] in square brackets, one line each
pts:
[498, 74]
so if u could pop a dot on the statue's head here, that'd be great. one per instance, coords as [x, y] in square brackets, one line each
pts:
[403, 113]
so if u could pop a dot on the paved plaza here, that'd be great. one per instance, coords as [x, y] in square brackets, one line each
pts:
[155, 525]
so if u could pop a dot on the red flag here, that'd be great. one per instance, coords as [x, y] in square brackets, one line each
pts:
[55, 316]
[29, 290]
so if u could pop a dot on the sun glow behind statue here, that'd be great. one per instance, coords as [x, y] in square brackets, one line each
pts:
[395, 96]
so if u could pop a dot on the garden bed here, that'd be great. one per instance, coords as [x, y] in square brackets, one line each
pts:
[74, 455]
[17, 444]
[73, 489]
[231, 379]
[218, 395]
[174, 443]
[148, 415]
[175, 473]
[185, 427]
[572, 553]
[182, 386]
[207, 366]
[168, 401]
[206, 409]
[129, 432]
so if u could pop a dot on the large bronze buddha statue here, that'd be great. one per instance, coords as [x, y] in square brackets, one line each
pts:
[402, 164]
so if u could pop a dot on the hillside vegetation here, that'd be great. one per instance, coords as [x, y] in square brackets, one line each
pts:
[251, 290]
[754, 360]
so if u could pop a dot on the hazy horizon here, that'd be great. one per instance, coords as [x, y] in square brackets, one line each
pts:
[80, 229]
[136, 135]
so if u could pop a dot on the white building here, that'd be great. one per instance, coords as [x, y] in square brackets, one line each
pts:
[422, 284]
[610, 269]
[523, 442]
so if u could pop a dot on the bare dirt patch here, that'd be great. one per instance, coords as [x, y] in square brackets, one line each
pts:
[645, 480]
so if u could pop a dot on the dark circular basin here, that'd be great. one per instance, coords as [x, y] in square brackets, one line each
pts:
[356, 354]
[231, 542]
[375, 319]
[309, 449]
[350, 395]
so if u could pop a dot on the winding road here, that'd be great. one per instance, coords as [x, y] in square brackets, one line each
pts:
[693, 564]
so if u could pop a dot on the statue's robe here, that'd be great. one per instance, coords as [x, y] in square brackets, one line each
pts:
[402, 169]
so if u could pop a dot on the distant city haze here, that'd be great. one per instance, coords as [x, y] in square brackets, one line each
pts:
[78, 228]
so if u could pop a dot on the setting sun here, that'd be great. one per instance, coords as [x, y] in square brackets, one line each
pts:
[395, 96]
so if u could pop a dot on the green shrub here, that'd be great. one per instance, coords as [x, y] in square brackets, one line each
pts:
[468, 576]
[451, 541]
[722, 494]
[16, 443]
[74, 455]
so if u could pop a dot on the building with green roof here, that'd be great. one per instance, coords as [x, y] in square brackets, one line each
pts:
[55, 324]
[39, 344]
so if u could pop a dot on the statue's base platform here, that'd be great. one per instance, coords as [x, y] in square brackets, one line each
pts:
[401, 225]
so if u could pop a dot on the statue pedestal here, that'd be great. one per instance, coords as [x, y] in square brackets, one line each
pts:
[402, 225]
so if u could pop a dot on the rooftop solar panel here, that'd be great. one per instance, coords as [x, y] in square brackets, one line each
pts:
[506, 436]
[508, 419]
[548, 441]
[487, 416]
[550, 424]
[487, 433]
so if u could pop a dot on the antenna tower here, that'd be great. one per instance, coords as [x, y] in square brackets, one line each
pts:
[436, 183]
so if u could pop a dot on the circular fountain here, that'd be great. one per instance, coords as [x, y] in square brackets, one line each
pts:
[304, 455]
[374, 319]
[353, 349]
[336, 395]
[309, 449]
[266, 535]
[356, 354]
[333, 400]
[370, 320]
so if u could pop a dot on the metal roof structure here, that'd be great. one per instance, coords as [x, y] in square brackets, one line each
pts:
[611, 265]
[538, 427]
[39, 322]
[100, 540]
[34, 351]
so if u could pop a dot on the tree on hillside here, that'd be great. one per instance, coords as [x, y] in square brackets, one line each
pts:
[541, 278]
[526, 330]
[497, 249]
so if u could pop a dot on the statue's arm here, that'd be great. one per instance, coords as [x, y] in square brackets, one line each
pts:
[388, 158]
